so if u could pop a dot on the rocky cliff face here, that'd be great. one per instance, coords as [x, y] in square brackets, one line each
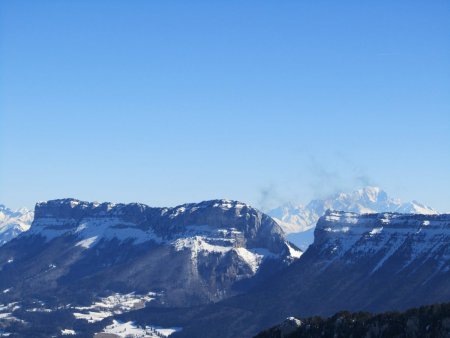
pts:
[191, 254]
[378, 262]
[235, 222]
[382, 239]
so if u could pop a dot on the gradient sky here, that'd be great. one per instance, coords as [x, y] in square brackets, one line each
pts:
[166, 102]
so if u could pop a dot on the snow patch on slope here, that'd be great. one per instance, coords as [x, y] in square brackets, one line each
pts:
[131, 329]
[200, 245]
[113, 305]
[294, 252]
[87, 243]
[68, 332]
[7, 312]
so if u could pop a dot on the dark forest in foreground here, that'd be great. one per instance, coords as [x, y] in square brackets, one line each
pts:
[425, 321]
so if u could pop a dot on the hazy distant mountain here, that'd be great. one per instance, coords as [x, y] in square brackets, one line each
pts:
[299, 219]
[13, 223]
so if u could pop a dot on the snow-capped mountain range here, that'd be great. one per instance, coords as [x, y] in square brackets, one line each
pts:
[13, 222]
[217, 268]
[294, 219]
[367, 200]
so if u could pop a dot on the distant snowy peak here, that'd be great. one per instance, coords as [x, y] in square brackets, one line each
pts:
[367, 200]
[415, 207]
[292, 218]
[13, 222]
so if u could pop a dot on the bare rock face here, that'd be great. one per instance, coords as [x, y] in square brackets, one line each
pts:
[190, 254]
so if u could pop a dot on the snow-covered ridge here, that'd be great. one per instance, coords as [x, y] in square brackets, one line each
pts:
[73, 208]
[341, 221]
[409, 237]
[131, 329]
[164, 223]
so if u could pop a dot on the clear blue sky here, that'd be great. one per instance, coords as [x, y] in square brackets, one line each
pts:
[166, 102]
